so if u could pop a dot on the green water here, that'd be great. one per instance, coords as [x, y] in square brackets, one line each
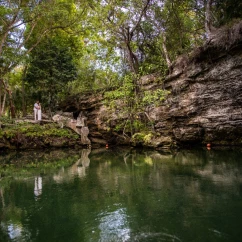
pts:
[121, 195]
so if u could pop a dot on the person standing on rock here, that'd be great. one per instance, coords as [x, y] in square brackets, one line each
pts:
[36, 108]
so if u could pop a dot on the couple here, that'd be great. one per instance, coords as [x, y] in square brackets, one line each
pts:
[37, 111]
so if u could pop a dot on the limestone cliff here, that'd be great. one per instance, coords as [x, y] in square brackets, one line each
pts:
[205, 104]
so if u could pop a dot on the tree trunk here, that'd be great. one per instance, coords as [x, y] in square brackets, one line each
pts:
[50, 104]
[2, 197]
[23, 93]
[168, 60]
[4, 101]
[208, 18]
[133, 61]
[11, 104]
[23, 100]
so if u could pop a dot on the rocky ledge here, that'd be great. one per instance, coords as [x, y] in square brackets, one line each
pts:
[38, 136]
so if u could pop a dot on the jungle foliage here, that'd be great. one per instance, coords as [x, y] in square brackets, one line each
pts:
[52, 49]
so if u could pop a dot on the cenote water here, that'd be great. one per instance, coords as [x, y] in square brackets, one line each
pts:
[121, 195]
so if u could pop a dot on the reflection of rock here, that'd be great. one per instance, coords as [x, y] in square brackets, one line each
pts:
[189, 158]
[84, 158]
[37, 186]
[220, 173]
[78, 168]
[84, 133]
[216, 166]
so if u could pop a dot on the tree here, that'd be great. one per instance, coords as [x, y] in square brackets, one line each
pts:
[112, 38]
[51, 67]
[14, 15]
[120, 21]
[24, 26]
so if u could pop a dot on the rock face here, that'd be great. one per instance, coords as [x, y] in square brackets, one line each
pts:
[78, 125]
[204, 106]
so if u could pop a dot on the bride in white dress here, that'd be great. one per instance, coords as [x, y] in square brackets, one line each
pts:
[39, 114]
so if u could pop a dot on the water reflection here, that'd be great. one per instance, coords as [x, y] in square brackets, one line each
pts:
[77, 169]
[37, 186]
[114, 226]
[121, 195]
[14, 231]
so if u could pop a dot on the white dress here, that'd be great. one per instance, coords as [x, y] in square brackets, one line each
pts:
[39, 114]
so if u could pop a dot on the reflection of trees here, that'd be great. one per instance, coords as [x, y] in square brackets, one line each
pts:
[141, 179]
[2, 197]
[36, 159]
[37, 164]
[129, 193]
[218, 166]
[11, 227]
[33, 163]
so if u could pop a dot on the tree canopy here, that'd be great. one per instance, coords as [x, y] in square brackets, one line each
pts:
[53, 48]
